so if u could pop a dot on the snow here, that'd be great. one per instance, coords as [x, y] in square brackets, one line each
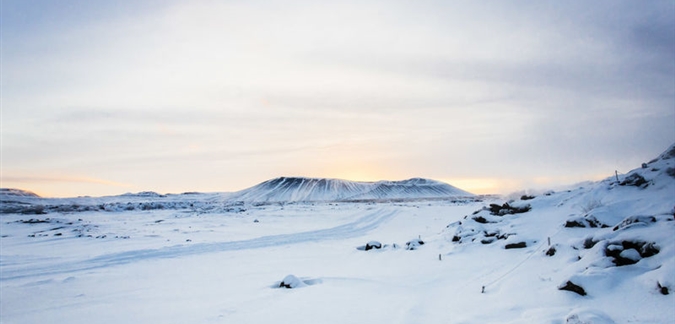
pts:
[588, 316]
[630, 254]
[297, 189]
[201, 258]
[9, 192]
[291, 281]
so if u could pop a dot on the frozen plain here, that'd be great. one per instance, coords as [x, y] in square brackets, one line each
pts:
[224, 265]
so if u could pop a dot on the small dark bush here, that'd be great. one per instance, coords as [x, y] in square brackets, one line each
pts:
[526, 197]
[551, 251]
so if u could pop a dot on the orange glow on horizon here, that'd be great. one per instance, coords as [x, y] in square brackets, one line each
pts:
[481, 186]
[52, 186]
[503, 186]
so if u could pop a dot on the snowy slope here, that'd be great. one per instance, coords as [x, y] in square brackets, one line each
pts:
[296, 189]
[612, 244]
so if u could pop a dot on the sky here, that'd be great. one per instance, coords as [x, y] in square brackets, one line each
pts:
[108, 97]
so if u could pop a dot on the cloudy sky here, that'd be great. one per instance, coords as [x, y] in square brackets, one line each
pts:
[107, 97]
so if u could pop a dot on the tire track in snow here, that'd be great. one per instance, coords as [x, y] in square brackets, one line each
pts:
[356, 228]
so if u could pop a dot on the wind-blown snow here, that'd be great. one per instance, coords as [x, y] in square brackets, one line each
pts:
[484, 260]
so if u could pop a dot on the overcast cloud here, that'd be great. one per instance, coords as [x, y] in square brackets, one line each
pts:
[219, 95]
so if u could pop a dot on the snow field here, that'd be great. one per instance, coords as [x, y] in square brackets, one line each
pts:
[228, 272]
[612, 244]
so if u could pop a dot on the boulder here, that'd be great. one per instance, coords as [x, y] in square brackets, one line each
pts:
[507, 209]
[570, 286]
[635, 180]
[413, 244]
[634, 221]
[630, 252]
[290, 282]
[518, 245]
[373, 245]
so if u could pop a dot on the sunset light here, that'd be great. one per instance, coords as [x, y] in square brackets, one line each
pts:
[218, 96]
[336, 162]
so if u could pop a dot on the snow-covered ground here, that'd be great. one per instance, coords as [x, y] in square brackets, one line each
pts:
[200, 258]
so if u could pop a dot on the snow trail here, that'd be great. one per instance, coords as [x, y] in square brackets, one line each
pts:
[356, 228]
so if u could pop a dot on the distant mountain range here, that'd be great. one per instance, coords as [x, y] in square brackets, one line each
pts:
[279, 190]
[17, 193]
[297, 189]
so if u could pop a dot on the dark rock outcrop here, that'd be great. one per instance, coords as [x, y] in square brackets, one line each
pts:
[570, 286]
[518, 245]
[506, 209]
[630, 252]
[635, 180]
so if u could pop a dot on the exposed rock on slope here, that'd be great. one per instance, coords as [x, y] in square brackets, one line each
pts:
[593, 232]
[295, 189]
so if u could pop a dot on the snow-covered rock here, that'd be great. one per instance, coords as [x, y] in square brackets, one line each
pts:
[588, 316]
[597, 230]
[414, 244]
[291, 281]
[373, 245]
[630, 254]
